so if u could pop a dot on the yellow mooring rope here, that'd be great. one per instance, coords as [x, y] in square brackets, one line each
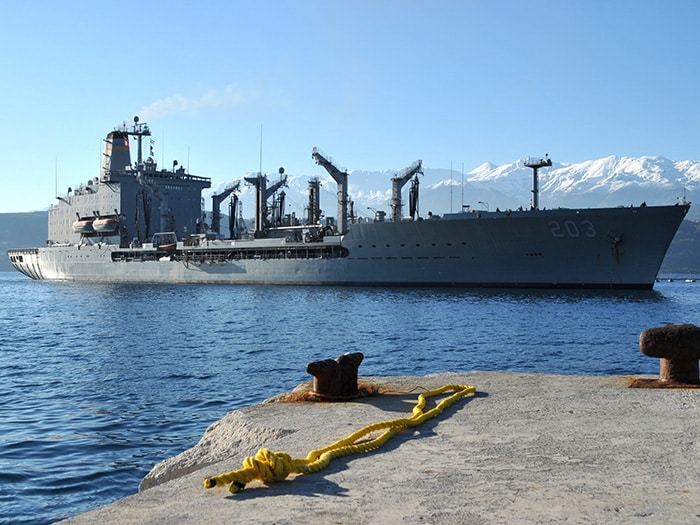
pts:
[270, 466]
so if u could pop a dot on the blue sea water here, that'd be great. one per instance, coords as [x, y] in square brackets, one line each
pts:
[100, 382]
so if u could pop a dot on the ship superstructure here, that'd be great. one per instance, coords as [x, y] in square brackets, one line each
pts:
[128, 202]
[136, 223]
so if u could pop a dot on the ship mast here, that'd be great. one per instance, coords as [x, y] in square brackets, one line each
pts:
[139, 131]
[536, 164]
[341, 179]
[397, 183]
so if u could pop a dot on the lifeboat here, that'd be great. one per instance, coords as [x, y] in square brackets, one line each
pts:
[170, 247]
[83, 226]
[165, 242]
[105, 224]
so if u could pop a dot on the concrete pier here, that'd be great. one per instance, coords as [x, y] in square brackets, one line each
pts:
[527, 448]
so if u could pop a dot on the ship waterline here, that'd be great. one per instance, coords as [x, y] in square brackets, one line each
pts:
[613, 248]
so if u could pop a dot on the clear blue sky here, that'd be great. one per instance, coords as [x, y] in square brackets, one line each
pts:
[375, 84]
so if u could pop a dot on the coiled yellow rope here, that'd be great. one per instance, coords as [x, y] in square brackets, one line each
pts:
[270, 466]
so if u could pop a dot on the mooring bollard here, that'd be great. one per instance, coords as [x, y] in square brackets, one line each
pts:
[678, 347]
[336, 378]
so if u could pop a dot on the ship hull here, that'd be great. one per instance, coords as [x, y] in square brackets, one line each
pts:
[614, 248]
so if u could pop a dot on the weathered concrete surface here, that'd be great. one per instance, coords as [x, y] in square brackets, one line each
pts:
[528, 448]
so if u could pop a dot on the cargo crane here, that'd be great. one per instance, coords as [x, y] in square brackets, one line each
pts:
[236, 224]
[413, 199]
[536, 164]
[277, 212]
[216, 201]
[397, 183]
[341, 179]
[262, 193]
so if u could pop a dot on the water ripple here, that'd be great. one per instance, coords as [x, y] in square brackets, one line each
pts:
[100, 382]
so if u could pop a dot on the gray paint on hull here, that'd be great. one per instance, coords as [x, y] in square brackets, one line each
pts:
[591, 248]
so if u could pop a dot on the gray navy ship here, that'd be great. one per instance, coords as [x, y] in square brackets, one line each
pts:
[138, 223]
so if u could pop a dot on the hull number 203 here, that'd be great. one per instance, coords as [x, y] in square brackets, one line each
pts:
[569, 228]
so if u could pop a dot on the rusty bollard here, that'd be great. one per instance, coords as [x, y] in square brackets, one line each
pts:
[336, 378]
[678, 347]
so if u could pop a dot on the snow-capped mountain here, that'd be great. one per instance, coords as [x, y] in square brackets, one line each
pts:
[606, 182]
